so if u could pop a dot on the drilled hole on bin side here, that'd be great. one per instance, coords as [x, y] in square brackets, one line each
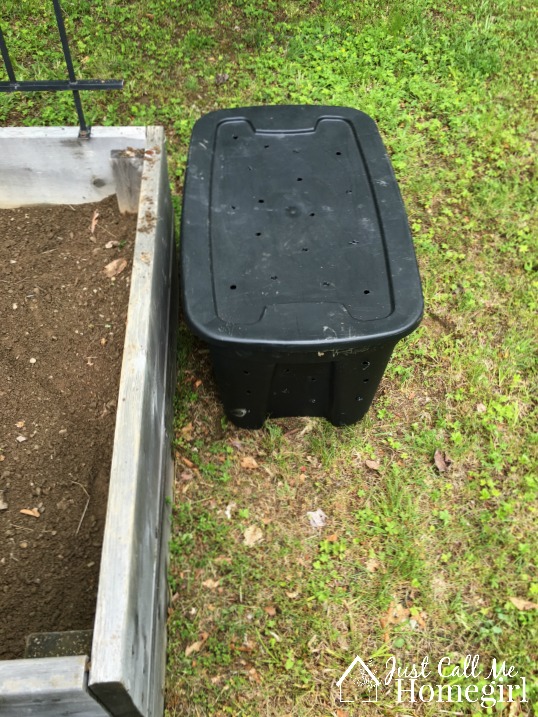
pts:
[258, 234]
[233, 208]
[312, 400]
[339, 153]
[359, 398]
[354, 241]
[274, 278]
[365, 380]
[248, 391]
[261, 201]
[312, 378]
[365, 365]
[299, 179]
[233, 286]
[326, 283]
[305, 248]
[312, 214]
[235, 136]
[246, 372]
[287, 370]
[366, 291]
[349, 191]
[266, 146]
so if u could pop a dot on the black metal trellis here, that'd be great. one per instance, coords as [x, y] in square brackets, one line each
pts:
[72, 84]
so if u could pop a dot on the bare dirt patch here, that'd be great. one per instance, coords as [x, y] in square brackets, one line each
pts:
[61, 344]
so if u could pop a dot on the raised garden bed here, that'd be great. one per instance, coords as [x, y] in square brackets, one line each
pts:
[120, 440]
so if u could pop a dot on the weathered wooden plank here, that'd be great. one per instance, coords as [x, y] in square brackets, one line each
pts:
[47, 687]
[52, 165]
[127, 170]
[128, 649]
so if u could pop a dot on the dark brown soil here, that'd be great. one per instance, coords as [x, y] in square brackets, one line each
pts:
[61, 341]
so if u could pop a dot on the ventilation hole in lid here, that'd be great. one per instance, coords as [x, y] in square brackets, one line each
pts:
[235, 136]
[348, 191]
[312, 214]
[339, 153]
[266, 146]
[299, 179]
[248, 391]
[354, 241]
[246, 372]
[365, 364]
[365, 380]
[312, 400]
[326, 283]
[274, 278]
[359, 398]
[367, 291]
[261, 201]
[258, 234]
[305, 248]
[233, 207]
[233, 286]
[312, 378]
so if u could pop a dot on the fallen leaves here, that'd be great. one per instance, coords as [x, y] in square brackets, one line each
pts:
[115, 267]
[111, 244]
[196, 646]
[186, 432]
[94, 221]
[249, 463]
[396, 615]
[211, 584]
[252, 535]
[523, 604]
[33, 512]
[441, 460]
[373, 465]
[270, 610]
[21, 439]
[317, 518]
[3, 504]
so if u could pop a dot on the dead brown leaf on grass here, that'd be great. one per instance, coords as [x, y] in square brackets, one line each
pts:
[115, 267]
[252, 535]
[196, 646]
[523, 604]
[211, 584]
[186, 432]
[270, 610]
[249, 463]
[373, 465]
[372, 565]
[441, 460]
[396, 615]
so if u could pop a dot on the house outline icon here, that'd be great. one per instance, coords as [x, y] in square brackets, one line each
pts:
[367, 670]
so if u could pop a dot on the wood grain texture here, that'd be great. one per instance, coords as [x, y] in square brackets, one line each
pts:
[51, 165]
[47, 687]
[129, 643]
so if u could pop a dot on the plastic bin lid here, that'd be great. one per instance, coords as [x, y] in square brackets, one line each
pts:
[294, 233]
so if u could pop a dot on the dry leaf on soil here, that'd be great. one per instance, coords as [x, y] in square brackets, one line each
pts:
[441, 460]
[373, 465]
[21, 439]
[523, 604]
[252, 535]
[115, 267]
[293, 595]
[111, 244]
[20, 424]
[94, 221]
[248, 462]
[30, 511]
[3, 504]
[481, 408]
[195, 647]
[270, 610]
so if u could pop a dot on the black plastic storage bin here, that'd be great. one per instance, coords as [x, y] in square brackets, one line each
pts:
[298, 267]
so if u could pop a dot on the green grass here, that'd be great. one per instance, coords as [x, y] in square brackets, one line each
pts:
[452, 89]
